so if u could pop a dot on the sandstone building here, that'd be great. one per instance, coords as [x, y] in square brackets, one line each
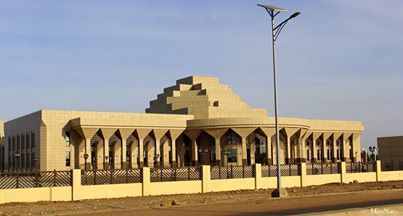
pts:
[390, 152]
[197, 121]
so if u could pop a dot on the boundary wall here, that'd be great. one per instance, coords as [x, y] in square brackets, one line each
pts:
[205, 185]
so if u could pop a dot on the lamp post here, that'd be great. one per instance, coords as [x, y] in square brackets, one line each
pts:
[276, 30]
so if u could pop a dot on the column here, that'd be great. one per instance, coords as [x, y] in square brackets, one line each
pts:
[141, 152]
[106, 158]
[313, 148]
[334, 143]
[157, 158]
[324, 148]
[269, 159]
[134, 153]
[194, 152]
[123, 153]
[346, 148]
[175, 133]
[117, 154]
[87, 155]
[288, 159]
[252, 152]
[100, 154]
[217, 150]
[244, 152]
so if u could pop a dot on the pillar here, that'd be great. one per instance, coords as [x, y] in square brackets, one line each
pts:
[357, 147]
[217, 150]
[252, 152]
[87, 156]
[288, 159]
[243, 133]
[325, 148]
[134, 153]
[334, 143]
[378, 167]
[123, 154]
[100, 154]
[346, 148]
[175, 133]
[193, 134]
[244, 152]
[125, 133]
[194, 152]
[106, 153]
[313, 148]
[117, 148]
[302, 171]
[258, 176]
[159, 134]
[141, 135]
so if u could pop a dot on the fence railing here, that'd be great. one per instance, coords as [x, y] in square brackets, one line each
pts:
[322, 168]
[392, 166]
[38, 179]
[175, 174]
[118, 176]
[358, 167]
[230, 172]
[285, 169]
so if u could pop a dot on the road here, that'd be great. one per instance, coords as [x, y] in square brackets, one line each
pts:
[301, 205]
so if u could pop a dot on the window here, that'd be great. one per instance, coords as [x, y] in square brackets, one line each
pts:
[67, 156]
[232, 155]
[216, 103]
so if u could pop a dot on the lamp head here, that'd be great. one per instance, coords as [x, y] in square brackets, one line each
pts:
[295, 14]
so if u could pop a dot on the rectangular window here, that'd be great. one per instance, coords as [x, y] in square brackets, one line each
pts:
[67, 158]
[232, 155]
[33, 144]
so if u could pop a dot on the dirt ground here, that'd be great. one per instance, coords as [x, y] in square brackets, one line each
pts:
[300, 200]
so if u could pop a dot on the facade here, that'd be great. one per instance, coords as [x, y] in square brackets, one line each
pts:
[2, 145]
[198, 121]
[390, 152]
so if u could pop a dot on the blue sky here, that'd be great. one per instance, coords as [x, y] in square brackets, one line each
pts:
[340, 59]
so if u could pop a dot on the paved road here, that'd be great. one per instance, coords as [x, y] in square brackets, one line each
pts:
[276, 207]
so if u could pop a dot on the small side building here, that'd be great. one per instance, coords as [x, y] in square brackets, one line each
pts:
[390, 152]
[2, 146]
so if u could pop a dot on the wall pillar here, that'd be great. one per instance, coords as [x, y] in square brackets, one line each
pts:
[342, 166]
[193, 134]
[302, 171]
[258, 176]
[378, 168]
[146, 181]
[76, 184]
[206, 177]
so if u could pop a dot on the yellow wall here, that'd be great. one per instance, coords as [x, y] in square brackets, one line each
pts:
[179, 187]
[321, 179]
[147, 188]
[35, 194]
[230, 184]
[110, 191]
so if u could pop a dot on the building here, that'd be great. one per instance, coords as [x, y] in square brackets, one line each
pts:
[197, 121]
[390, 152]
[2, 146]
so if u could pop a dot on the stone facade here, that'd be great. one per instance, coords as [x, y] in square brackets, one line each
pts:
[390, 152]
[198, 121]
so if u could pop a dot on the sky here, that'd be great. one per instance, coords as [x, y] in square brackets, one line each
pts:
[340, 59]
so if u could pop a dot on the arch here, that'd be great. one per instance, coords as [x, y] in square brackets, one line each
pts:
[205, 148]
[97, 146]
[165, 150]
[231, 145]
[132, 151]
[183, 150]
[149, 150]
[257, 147]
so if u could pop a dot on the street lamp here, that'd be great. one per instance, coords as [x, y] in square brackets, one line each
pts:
[276, 30]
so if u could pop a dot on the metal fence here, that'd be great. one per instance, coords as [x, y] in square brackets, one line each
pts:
[322, 168]
[358, 167]
[38, 179]
[175, 174]
[392, 166]
[117, 176]
[229, 172]
[285, 169]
